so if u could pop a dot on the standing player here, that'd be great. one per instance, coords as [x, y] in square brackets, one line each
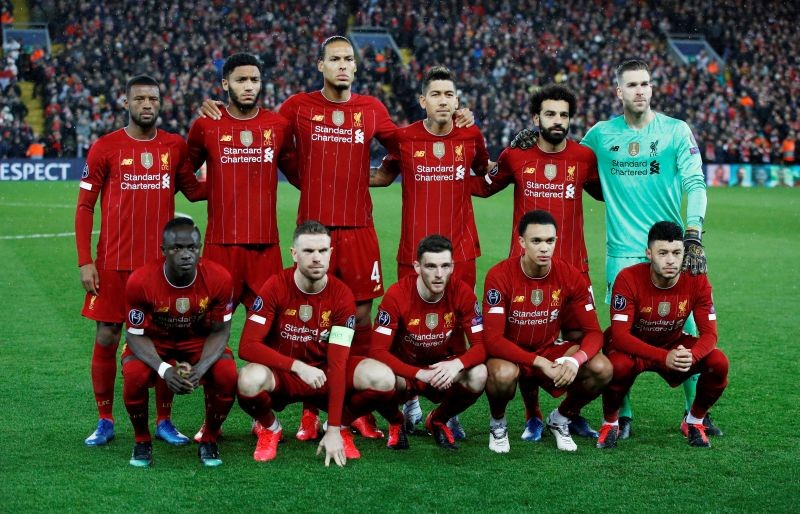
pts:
[552, 176]
[651, 303]
[241, 152]
[179, 309]
[526, 300]
[135, 172]
[414, 335]
[434, 158]
[297, 339]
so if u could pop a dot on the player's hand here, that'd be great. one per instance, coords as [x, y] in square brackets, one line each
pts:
[177, 383]
[694, 258]
[567, 371]
[679, 359]
[334, 447]
[90, 279]
[464, 118]
[445, 372]
[211, 109]
[546, 366]
[525, 139]
[313, 377]
[192, 373]
[425, 375]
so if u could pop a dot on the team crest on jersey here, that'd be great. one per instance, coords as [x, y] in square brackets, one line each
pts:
[448, 320]
[91, 302]
[438, 149]
[571, 173]
[663, 308]
[202, 305]
[268, 137]
[633, 149]
[431, 320]
[459, 153]
[383, 318]
[357, 119]
[682, 308]
[258, 304]
[85, 172]
[325, 319]
[135, 317]
[338, 118]
[550, 171]
[654, 148]
[537, 296]
[619, 302]
[146, 158]
[413, 322]
[493, 296]
[182, 305]
[305, 312]
[165, 161]
[530, 170]
[555, 298]
[246, 137]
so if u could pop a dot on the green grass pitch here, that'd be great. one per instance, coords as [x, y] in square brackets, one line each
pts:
[46, 404]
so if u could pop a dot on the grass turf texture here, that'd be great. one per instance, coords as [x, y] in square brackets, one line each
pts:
[48, 408]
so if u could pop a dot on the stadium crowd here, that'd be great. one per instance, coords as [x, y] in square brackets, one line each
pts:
[746, 111]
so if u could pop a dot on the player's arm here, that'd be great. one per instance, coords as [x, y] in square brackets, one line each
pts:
[690, 169]
[215, 345]
[495, 181]
[186, 178]
[91, 184]
[211, 109]
[480, 163]
[386, 173]
[706, 318]
[471, 322]
[623, 314]
[495, 309]
[387, 322]
[260, 318]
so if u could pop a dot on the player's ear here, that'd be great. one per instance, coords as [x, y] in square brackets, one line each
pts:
[294, 253]
[619, 92]
[417, 267]
[422, 101]
[320, 62]
[521, 241]
[225, 84]
[648, 254]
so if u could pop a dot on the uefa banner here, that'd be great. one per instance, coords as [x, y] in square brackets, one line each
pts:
[40, 170]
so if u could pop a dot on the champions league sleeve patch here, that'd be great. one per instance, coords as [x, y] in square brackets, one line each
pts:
[135, 317]
[258, 304]
[384, 318]
[351, 322]
[493, 297]
[619, 302]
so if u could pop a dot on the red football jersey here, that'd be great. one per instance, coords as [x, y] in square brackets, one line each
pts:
[522, 315]
[435, 174]
[411, 333]
[647, 321]
[550, 181]
[332, 141]
[285, 323]
[136, 182]
[173, 317]
[241, 157]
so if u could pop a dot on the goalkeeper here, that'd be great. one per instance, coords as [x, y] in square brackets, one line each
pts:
[646, 161]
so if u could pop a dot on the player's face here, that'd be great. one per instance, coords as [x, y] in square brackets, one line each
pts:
[144, 104]
[243, 86]
[539, 242]
[553, 121]
[312, 253]
[440, 101]
[434, 269]
[635, 91]
[666, 258]
[181, 249]
[338, 67]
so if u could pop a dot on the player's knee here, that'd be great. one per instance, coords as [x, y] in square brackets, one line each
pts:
[601, 370]
[372, 374]
[224, 375]
[108, 334]
[254, 378]
[501, 373]
[476, 378]
[621, 365]
[717, 364]
[136, 375]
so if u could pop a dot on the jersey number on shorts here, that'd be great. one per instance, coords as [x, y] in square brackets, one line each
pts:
[376, 272]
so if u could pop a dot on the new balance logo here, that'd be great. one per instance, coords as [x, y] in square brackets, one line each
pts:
[318, 117]
[419, 153]
[614, 149]
[226, 138]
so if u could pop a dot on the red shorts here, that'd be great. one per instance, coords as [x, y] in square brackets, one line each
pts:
[464, 270]
[637, 365]
[289, 388]
[109, 304]
[530, 376]
[356, 260]
[249, 265]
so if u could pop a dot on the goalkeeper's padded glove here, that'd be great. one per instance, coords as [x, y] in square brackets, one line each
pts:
[694, 258]
[526, 138]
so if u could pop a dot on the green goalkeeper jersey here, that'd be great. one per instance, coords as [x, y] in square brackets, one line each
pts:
[643, 174]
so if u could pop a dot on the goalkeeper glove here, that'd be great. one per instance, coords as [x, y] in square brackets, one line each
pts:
[694, 258]
[525, 139]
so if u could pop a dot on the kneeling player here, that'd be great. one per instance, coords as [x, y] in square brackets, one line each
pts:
[526, 299]
[413, 330]
[297, 339]
[649, 307]
[179, 309]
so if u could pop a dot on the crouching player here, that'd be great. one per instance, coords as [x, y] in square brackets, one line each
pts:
[649, 307]
[413, 335]
[297, 340]
[179, 311]
[526, 300]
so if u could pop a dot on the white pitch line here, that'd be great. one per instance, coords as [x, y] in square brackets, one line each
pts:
[43, 236]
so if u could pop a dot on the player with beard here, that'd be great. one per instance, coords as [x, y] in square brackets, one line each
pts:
[134, 171]
[552, 176]
[241, 152]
